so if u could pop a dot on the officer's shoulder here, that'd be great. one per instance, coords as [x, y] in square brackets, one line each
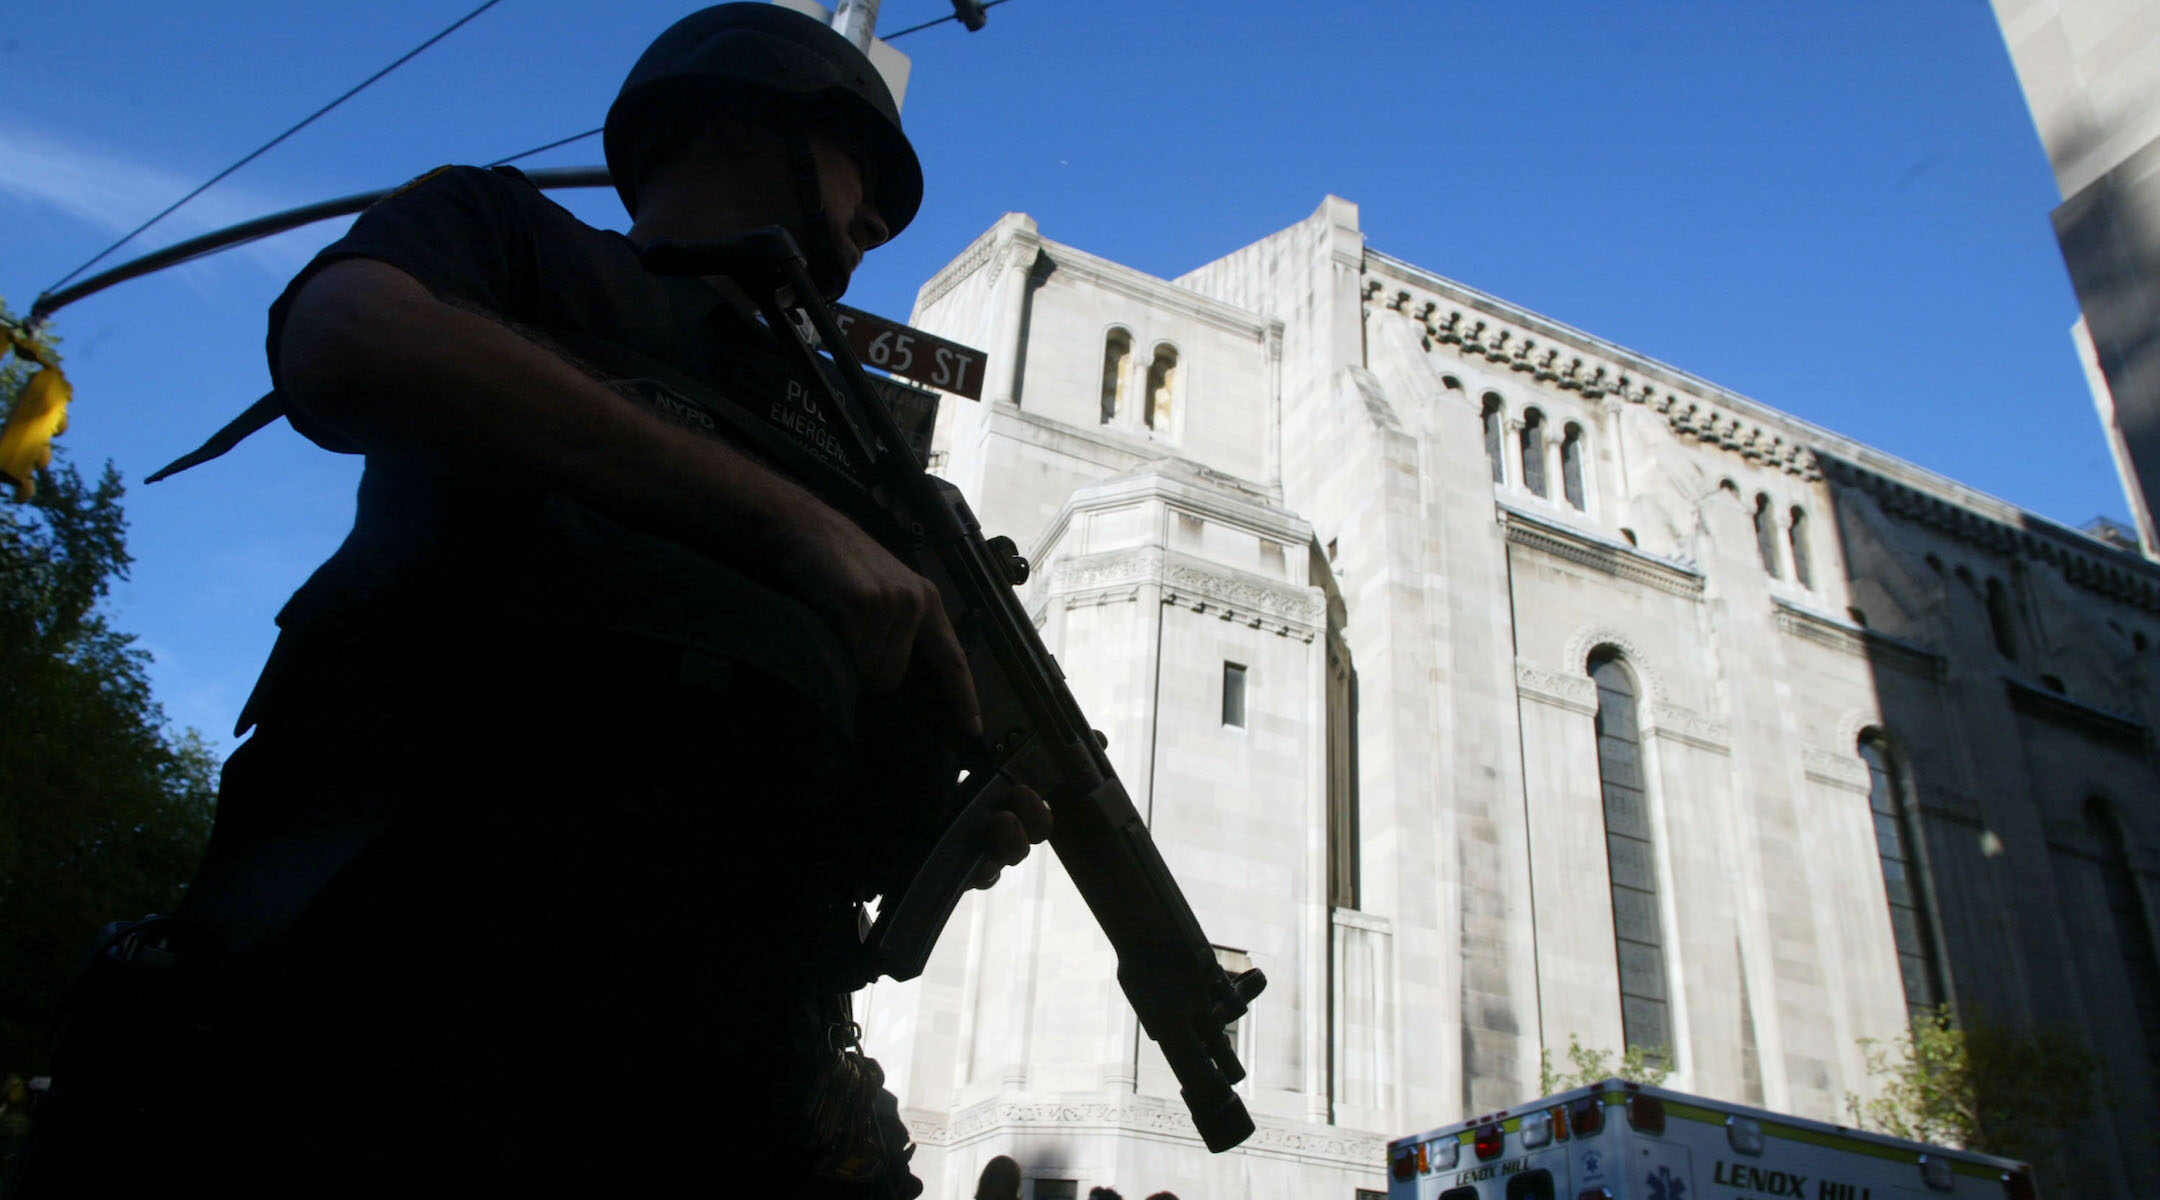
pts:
[456, 177]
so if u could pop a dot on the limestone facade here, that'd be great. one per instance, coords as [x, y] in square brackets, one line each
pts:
[1328, 545]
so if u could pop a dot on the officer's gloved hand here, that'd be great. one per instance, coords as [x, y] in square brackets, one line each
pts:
[1025, 821]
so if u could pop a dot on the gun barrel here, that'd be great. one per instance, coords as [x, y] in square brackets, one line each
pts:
[1166, 966]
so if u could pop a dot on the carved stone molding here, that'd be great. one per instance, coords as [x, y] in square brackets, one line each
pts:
[1853, 723]
[1843, 771]
[1692, 728]
[1117, 569]
[971, 260]
[1876, 648]
[1639, 665]
[1474, 333]
[1617, 561]
[1481, 327]
[2084, 563]
[1258, 603]
[1575, 693]
[1248, 599]
[2096, 723]
[1097, 597]
[1314, 1143]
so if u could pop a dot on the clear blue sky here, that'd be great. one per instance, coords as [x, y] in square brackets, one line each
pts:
[1834, 206]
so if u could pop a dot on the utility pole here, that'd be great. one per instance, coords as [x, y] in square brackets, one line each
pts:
[857, 21]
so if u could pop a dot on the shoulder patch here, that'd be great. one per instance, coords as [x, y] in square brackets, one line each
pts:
[414, 182]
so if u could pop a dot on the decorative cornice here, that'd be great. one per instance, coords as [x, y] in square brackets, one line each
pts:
[1251, 600]
[1098, 597]
[1689, 727]
[2082, 562]
[1487, 335]
[1183, 486]
[1842, 771]
[1116, 569]
[1875, 648]
[2093, 722]
[1448, 313]
[1323, 1144]
[1545, 350]
[1622, 562]
[971, 260]
[1575, 693]
[1245, 599]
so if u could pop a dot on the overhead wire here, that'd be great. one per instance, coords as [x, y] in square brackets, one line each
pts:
[47, 298]
[258, 152]
[575, 137]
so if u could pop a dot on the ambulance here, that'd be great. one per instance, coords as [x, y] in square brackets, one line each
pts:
[1616, 1140]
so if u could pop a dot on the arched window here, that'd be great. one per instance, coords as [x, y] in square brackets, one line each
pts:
[1571, 465]
[1631, 859]
[1803, 568]
[1495, 417]
[1904, 884]
[1533, 451]
[1766, 534]
[2133, 933]
[1999, 619]
[1162, 383]
[1116, 371]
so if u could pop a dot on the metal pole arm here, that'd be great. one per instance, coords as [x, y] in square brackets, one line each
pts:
[262, 227]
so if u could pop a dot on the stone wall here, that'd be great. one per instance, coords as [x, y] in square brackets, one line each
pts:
[1775, 593]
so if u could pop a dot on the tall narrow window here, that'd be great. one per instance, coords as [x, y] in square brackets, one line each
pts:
[1904, 886]
[2133, 933]
[1533, 451]
[1233, 694]
[1495, 417]
[1116, 370]
[1571, 465]
[1631, 857]
[1999, 619]
[1162, 380]
[1766, 534]
[1342, 737]
[1803, 568]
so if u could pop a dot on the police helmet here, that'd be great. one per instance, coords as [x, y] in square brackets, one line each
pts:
[765, 48]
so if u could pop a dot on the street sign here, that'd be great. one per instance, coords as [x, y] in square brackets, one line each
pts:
[914, 409]
[912, 354]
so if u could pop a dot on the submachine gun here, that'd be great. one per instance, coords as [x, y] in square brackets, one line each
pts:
[1035, 734]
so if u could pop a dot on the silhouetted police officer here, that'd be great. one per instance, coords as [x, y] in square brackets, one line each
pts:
[583, 747]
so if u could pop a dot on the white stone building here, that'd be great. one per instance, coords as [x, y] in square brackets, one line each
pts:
[1490, 685]
[2090, 70]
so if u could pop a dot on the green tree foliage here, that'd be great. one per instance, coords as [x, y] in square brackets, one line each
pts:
[103, 811]
[1638, 1064]
[1980, 1086]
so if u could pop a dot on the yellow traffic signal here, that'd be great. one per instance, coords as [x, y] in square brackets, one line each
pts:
[39, 415]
